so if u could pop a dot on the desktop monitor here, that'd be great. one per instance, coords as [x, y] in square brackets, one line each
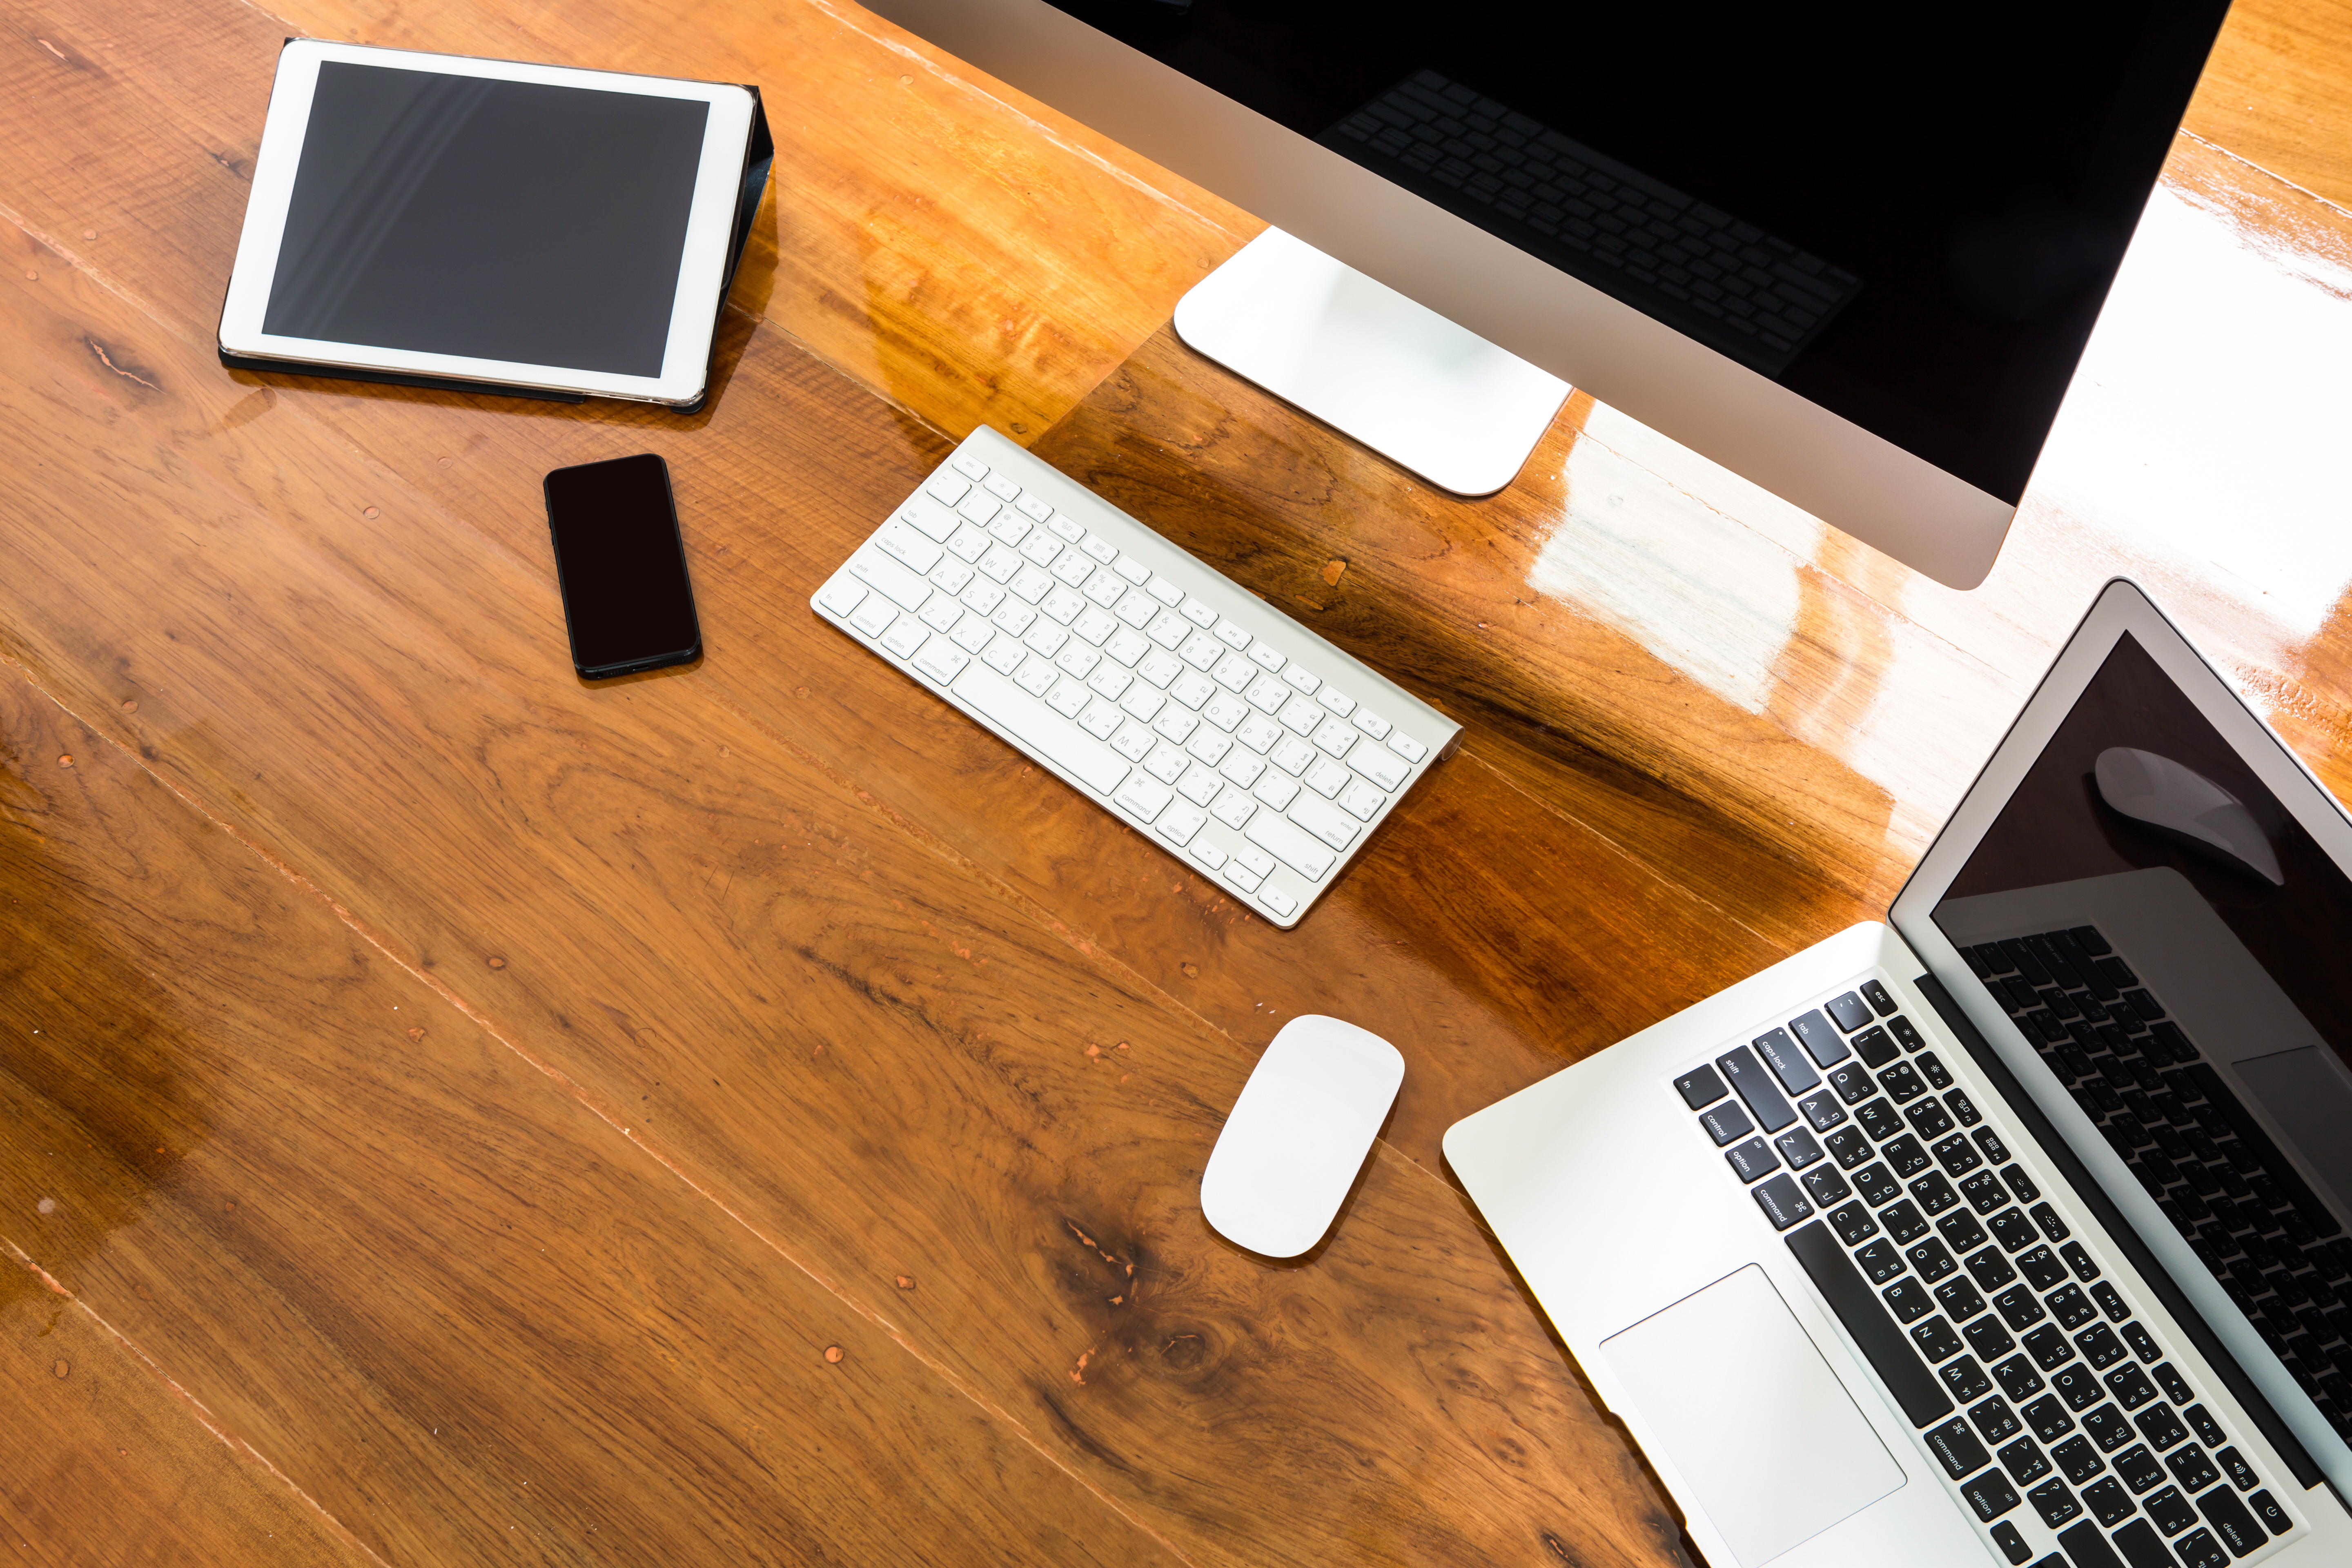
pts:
[1851, 252]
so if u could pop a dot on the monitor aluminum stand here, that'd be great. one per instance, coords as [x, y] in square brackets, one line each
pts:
[1431, 397]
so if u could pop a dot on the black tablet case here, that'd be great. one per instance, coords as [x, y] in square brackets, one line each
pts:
[759, 156]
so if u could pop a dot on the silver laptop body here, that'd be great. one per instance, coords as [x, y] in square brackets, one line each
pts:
[2017, 1230]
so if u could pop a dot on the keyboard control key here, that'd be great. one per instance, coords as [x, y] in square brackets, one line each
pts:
[873, 615]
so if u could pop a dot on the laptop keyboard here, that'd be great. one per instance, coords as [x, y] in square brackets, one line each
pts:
[2057, 1416]
[2247, 1213]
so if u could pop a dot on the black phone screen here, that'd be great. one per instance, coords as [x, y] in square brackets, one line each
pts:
[621, 563]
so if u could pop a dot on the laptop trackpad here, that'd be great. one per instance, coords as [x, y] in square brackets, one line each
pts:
[1751, 1417]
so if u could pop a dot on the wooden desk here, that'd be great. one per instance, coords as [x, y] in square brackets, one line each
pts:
[450, 1114]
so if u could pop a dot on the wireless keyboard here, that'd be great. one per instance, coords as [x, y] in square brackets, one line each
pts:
[1173, 698]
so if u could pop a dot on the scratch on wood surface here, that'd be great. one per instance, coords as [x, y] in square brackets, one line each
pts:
[107, 360]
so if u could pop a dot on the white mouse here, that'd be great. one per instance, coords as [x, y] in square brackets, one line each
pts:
[1299, 1135]
[2186, 804]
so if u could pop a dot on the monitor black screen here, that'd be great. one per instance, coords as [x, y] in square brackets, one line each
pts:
[1909, 217]
[498, 220]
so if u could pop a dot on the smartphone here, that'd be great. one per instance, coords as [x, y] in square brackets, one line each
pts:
[621, 564]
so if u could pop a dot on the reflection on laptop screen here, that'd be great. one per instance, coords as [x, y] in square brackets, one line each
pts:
[2170, 938]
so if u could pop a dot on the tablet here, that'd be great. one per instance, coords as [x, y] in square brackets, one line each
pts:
[433, 216]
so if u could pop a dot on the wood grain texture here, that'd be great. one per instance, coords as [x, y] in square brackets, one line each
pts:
[2276, 92]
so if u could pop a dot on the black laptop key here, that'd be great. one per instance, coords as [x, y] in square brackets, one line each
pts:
[2013, 1544]
[1964, 1379]
[2198, 1549]
[1988, 1338]
[1901, 1083]
[2042, 1269]
[2024, 1461]
[2078, 1461]
[2232, 1522]
[1905, 1156]
[2169, 1511]
[2053, 1503]
[1961, 1232]
[1848, 1147]
[1905, 1033]
[1908, 1300]
[2267, 1509]
[1877, 997]
[1882, 1261]
[1746, 1075]
[2192, 1468]
[1700, 1086]
[1933, 1194]
[2140, 1544]
[1930, 1120]
[2233, 1464]
[1826, 1187]
[1752, 1159]
[1879, 1120]
[2158, 1424]
[1959, 1299]
[1822, 1042]
[1989, 1269]
[2140, 1469]
[1903, 1223]
[1994, 1420]
[2173, 1384]
[1937, 1339]
[2078, 1385]
[1930, 1258]
[1854, 1224]
[1821, 1111]
[1957, 1449]
[2020, 1307]
[1877, 1185]
[1989, 1494]
[2110, 1431]
[2142, 1343]
[1934, 1071]
[2019, 1182]
[1852, 1082]
[2049, 1347]
[1994, 1149]
[2018, 1379]
[1850, 1011]
[2071, 1308]
[1788, 1063]
[1782, 1203]
[2108, 1502]
[1957, 1155]
[1798, 1148]
[1875, 1047]
[2021, 959]
[2048, 1418]
[2100, 1347]
[1915, 1388]
[1726, 1121]
[2086, 1547]
[1984, 1192]
[2147, 1006]
[1963, 1109]
[2051, 1226]
[2131, 1388]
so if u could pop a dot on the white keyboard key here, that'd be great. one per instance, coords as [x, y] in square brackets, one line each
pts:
[941, 660]
[1159, 667]
[950, 575]
[1278, 901]
[1077, 660]
[896, 539]
[1361, 800]
[1333, 698]
[1101, 549]
[1011, 527]
[1200, 650]
[1063, 604]
[1199, 785]
[905, 635]
[1100, 719]
[1268, 693]
[970, 467]
[1104, 588]
[842, 595]
[968, 545]
[1208, 855]
[1143, 799]
[1225, 710]
[1061, 524]
[1039, 733]
[946, 489]
[1126, 644]
[1277, 790]
[1046, 638]
[1256, 861]
[1233, 807]
[1111, 682]
[1210, 747]
[1038, 676]
[1037, 510]
[1298, 677]
[1335, 736]
[934, 520]
[972, 634]
[1015, 616]
[1289, 846]
[999, 565]
[1406, 746]
[889, 579]
[1179, 824]
[1384, 767]
[1234, 634]
[1243, 768]
[1167, 593]
[874, 616]
[1198, 611]
[1176, 725]
[1144, 702]
[1303, 714]
[1094, 624]
[1233, 672]
[1326, 778]
[1068, 696]
[1133, 741]
[1134, 570]
[1031, 584]
[1267, 660]
[1258, 732]
[1166, 763]
[1138, 608]
[1003, 655]
[1168, 630]
[982, 600]
[1241, 876]
[979, 509]
[941, 613]
[1370, 723]
[1041, 549]
[1070, 568]
[1193, 688]
[1292, 755]
[1324, 820]
[999, 487]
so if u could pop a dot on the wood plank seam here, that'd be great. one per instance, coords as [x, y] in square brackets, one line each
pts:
[2267, 173]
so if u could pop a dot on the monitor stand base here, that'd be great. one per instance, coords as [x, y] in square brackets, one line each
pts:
[1431, 397]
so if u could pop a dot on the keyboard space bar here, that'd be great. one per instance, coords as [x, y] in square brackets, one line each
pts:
[1037, 729]
[1898, 1366]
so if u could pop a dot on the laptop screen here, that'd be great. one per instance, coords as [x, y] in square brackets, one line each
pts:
[2170, 940]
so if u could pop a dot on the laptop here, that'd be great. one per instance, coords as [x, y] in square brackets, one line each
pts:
[2017, 1228]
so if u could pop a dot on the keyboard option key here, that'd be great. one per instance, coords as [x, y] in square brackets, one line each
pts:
[1752, 1160]
[1180, 822]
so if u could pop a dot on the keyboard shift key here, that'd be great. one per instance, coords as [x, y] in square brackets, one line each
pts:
[1746, 1077]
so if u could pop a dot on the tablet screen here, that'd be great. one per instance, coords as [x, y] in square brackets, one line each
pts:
[498, 220]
